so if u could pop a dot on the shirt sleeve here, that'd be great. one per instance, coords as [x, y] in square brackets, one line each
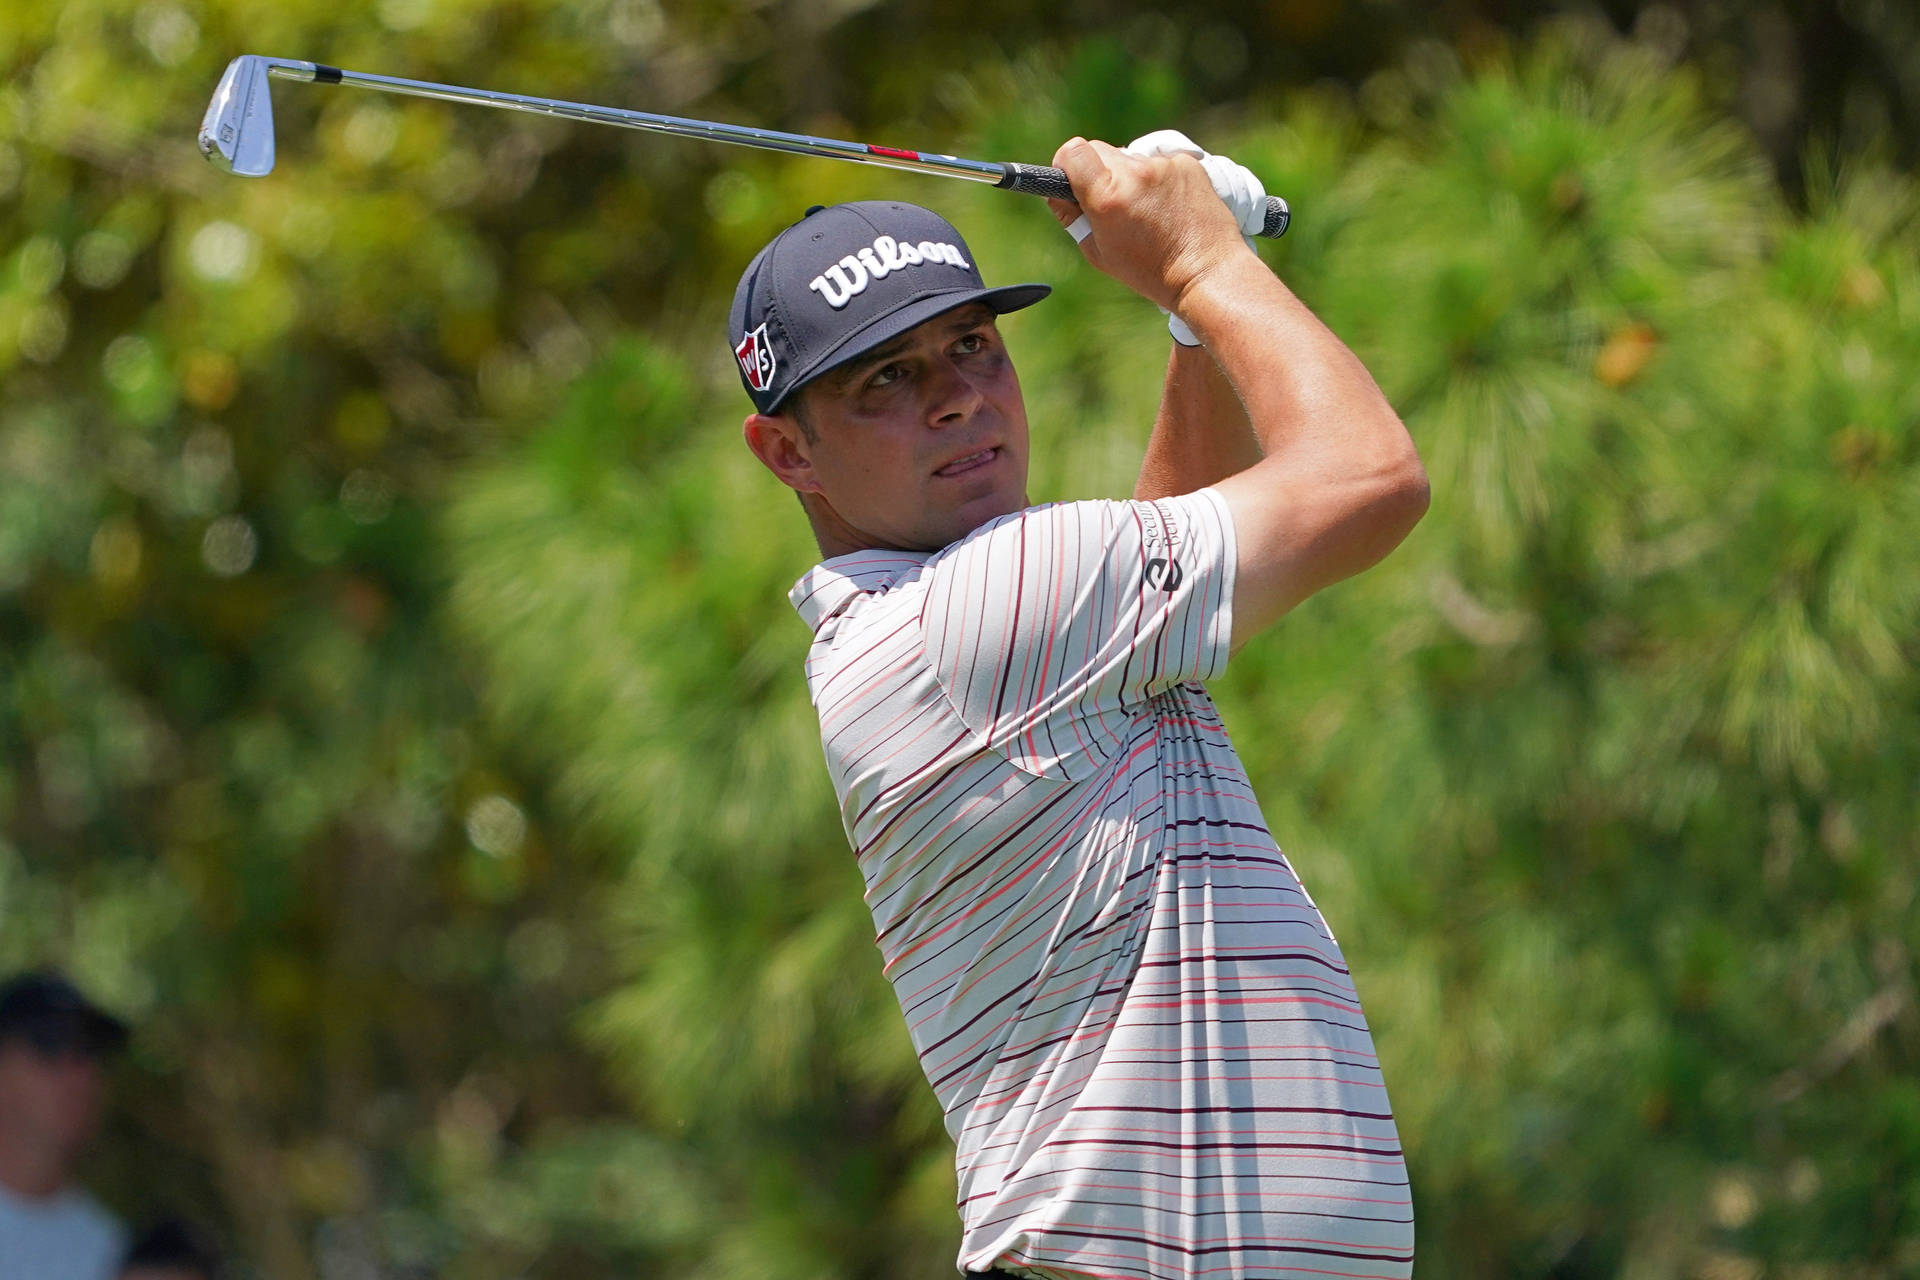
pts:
[1048, 629]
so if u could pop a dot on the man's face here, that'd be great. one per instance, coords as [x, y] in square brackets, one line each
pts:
[50, 1099]
[914, 445]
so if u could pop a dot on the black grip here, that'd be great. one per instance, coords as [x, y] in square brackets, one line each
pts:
[1037, 180]
[1278, 216]
[1043, 180]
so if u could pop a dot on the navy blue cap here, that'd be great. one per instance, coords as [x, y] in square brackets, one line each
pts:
[845, 279]
[50, 1013]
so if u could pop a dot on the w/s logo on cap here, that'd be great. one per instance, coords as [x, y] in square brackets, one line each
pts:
[839, 282]
[756, 359]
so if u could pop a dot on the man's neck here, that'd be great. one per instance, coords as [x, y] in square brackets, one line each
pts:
[833, 535]
[31, 1175]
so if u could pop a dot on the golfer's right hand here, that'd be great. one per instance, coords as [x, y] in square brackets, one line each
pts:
[1157, 223]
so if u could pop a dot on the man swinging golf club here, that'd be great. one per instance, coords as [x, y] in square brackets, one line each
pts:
[1144, 1038]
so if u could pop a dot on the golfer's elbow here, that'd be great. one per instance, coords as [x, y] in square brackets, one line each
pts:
[1386, 494]
[1402, 498]
[1381, 509]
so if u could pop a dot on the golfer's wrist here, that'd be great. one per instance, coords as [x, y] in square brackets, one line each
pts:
[1218, 293]
[1213, 277]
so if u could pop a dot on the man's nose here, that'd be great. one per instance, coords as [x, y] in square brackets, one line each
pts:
[954, 398]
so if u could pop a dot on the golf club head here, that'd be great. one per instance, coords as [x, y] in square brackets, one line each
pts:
[237, 133]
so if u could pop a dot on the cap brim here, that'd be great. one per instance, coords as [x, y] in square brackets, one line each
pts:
[1005, 298]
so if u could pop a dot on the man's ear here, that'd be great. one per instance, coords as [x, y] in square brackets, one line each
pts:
[776, 439]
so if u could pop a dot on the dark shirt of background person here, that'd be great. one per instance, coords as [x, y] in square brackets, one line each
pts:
[171, 1250]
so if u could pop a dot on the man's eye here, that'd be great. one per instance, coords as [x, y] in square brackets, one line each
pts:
[972, 342]
[886, 374]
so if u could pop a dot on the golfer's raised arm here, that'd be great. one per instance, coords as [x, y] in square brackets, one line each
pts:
[1340, 483]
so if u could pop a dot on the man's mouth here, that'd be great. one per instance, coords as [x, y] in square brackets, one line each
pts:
[972, 462]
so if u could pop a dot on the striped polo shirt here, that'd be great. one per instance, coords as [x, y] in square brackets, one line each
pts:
[1143, 1036]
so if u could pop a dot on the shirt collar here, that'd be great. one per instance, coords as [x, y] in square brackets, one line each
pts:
[827, 588]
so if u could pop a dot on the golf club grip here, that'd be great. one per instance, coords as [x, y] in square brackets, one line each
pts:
[1044, 180]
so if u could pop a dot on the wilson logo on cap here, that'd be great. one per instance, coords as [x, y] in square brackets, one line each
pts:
[847, 277]
[756, 359]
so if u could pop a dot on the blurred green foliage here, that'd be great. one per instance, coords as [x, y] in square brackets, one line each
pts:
[400, 711]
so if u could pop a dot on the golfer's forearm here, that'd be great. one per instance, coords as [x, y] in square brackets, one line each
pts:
[1201, 434]
[1311, 403]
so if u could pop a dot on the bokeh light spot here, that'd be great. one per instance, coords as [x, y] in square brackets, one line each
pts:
[405, 15]
[370, 133]
[40, 264]
[169, 32]
[129, 363]
[637, 24]
[43, 331]
[224, 251]
[206, 459]
[496, 825]
[229, 546]
[101, 259]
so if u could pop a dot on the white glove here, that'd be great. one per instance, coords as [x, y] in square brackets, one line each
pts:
[1235, 184]
[1245, 196]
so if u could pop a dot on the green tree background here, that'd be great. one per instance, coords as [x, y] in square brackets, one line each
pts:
[400, 712]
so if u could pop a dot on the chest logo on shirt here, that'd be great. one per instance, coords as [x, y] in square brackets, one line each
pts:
[1163, 573]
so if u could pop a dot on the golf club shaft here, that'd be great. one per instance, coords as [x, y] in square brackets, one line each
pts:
[1038, 180]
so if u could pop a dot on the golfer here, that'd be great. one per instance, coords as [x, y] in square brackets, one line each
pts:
[1143, 1035]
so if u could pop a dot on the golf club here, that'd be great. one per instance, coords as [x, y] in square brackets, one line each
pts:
[237, 133]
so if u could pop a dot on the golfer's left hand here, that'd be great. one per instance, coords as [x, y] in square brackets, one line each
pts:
[1157, 224]
[1235, 184]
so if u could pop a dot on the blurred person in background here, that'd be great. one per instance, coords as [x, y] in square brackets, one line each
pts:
[171, 1250]
[54, 1046]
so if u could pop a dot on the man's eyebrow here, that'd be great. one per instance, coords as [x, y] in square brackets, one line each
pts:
[886, 351]
[970, 317]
